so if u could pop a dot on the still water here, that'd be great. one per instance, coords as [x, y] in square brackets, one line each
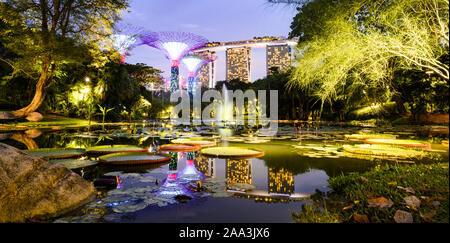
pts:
[295, 164]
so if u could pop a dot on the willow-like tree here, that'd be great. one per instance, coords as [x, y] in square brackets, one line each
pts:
[45, 33]
[346, 43]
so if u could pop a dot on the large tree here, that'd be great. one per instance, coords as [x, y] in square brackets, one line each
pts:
[45, 33]
[361, 43]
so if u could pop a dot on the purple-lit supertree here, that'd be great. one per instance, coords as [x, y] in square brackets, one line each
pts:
[126, 37]
[193, 63]
[175, 45]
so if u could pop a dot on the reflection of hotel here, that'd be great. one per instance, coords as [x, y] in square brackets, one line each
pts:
[280, 181]
[239, 171]
[205, 165]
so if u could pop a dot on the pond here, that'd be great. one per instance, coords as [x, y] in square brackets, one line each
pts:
[193, 187]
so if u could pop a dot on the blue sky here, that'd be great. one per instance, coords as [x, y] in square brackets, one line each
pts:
[216, 20]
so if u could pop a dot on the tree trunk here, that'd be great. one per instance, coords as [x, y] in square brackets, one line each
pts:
[293, 110]
[41, 91]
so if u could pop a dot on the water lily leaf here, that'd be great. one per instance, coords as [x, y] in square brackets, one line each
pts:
[398, 142]
[403, 217]
[75, 163]
[133, 158]
[232, 152]
[380, 202]
[108, 149]
[129, 208]
[241, 187]
[56, 153]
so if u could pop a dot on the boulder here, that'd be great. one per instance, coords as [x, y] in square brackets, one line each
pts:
[6, 116]
[34, 117]
[32, 188]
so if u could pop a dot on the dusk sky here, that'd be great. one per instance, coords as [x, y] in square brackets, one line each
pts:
[216, 20]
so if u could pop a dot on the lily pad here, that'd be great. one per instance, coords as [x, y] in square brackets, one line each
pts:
[232, 152]
[56, 153]
[400, 142]
[195, 142]
[75, 163]
[383, 151]
[241, 187]
[133, 158]
[109, 149]
[364, 136]
[179, 147]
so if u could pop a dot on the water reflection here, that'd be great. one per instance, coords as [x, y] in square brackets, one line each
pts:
[238, 171]
[280, 182]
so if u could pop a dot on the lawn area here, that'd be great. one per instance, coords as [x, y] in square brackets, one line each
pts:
[395, 193]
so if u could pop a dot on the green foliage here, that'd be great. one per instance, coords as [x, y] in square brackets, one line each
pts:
[350, 52]
[312, 213]
[37, 37]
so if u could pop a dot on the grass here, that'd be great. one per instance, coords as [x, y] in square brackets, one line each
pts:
[312, 213]
[429, 182]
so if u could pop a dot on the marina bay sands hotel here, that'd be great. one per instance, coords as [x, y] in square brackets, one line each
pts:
[238, 58]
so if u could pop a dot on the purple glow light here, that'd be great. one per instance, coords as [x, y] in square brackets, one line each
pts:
[174, 44]
[126, 37]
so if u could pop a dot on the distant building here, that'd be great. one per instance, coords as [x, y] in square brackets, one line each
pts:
[279, 57]
[206, 74]
[238, 63]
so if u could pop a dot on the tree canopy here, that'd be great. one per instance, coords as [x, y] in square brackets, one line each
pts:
[349, 45]
[43, 34]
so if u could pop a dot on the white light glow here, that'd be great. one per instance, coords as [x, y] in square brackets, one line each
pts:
[175, 49]
[122, 43]
[192, 63]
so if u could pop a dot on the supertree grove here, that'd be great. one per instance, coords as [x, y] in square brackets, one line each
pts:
[193, 63]
[175, 45]
[127, 37]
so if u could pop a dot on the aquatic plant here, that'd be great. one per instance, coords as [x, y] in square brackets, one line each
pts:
[75, 163]
[56, 153]
[131, 158]
[232, 152]
[385, 151]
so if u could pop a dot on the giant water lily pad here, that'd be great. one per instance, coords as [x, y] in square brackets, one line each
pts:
[400, 142]
[384, 151]
[109, 149]
[179, 147]
[198, 142]
[241, 187]
[232, 152]
[364, 136]
[75, 163]
[56, 153]
[133, 158]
